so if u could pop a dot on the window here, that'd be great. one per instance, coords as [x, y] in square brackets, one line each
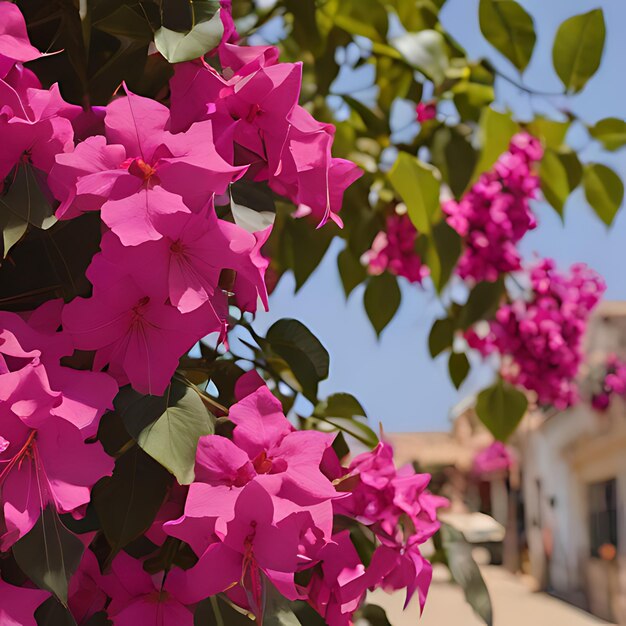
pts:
[603, 517]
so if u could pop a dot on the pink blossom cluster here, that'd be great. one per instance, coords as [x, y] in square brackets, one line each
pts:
[540, 339]
[494, 215]
[613, 383]
[393, 250]
[494, 459]
[262, 515]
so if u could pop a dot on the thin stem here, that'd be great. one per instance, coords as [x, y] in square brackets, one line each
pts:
[529, 90]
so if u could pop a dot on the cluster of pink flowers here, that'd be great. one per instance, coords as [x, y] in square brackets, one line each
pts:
[613, 383]
[494, 459]
[494, 215]
[540, 339]
[264, 506]
[260, 514]
[393, 250]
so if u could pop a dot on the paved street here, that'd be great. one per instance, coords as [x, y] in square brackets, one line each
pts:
[514, 605]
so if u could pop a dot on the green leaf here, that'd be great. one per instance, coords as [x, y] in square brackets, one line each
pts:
[371, 615]
[168, 427]
[23, 204]
[53, 613]
[216, 612]
[482, 303]
[459, 367]
[425, 51]
[302, 350]
[416, 184]
[367, 18]
[128, 501]
[455, 157]
[304, 28]
[202, 38]
[442, 252]
[578, 47]
[611, 132]
[381, 299]
[509, 29]
[124, 23]
[554, 180]
[351, 271]
[466, 573]
[441, 336]
[572, 166]
[500, 408]
[344, 412]
[604, 191]
[49, 554]
[496, 131]
[550, 132]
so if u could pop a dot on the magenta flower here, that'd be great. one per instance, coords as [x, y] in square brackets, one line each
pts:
[495, 214]
[495, 458]
[18, 604]
[425, 111]
[139, 338]
[138, 598]
[14, 43]
[394, 250]
[185, 264]
[86, 595]
[142, 172]
[39, 451]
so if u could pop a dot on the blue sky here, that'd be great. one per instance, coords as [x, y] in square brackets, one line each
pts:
[394, 377]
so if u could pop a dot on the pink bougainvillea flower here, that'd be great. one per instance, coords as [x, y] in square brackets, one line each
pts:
[138, 598]
[83, 396]
[394, 250]
[35, 126]
[18, 604]
[14, 43]
[496, 457]
[252, 543]
[86, 596]
[40, 451]
[139, 337]
[185, 264]
[338, 587]
[143, 172]
[426, 111]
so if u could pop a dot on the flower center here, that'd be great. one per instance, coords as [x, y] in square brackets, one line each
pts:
[177, 247]
[138, 309]
[266, 465]
[138, 167]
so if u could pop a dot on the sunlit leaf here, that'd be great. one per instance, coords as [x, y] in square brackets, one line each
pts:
[578, 48]
[604, 191]
[611, 132]
[500, 408]
[202, 38]
[426, 51]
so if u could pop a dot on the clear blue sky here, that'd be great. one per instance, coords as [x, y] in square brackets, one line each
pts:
[394, 378]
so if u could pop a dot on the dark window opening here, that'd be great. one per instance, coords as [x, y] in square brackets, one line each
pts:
[603, 521]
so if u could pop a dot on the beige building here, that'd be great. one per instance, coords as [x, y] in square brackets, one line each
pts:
[574, 485]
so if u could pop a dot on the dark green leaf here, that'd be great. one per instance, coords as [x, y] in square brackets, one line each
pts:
[604, 191]
[466, 573]
[305, 30]
[23, 204]
[481, 304]
[124, 23]
[351, 271]
[49, 554]
[572, 166]
[216, 612]
[128, 501]
[425, 51]
[301, 349]
[344, 412]
[99, 619]
[202, 38]
[53, 613]
[578, 48]
[611, 132]
[509, 29]
[500, 408]
[418, 187]
[459, 367]
[554, 180]
[278, 611]
[168, 427]
[455, 157]
[382, 299]
[372, 615]
[441, 336]
[442, 252]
